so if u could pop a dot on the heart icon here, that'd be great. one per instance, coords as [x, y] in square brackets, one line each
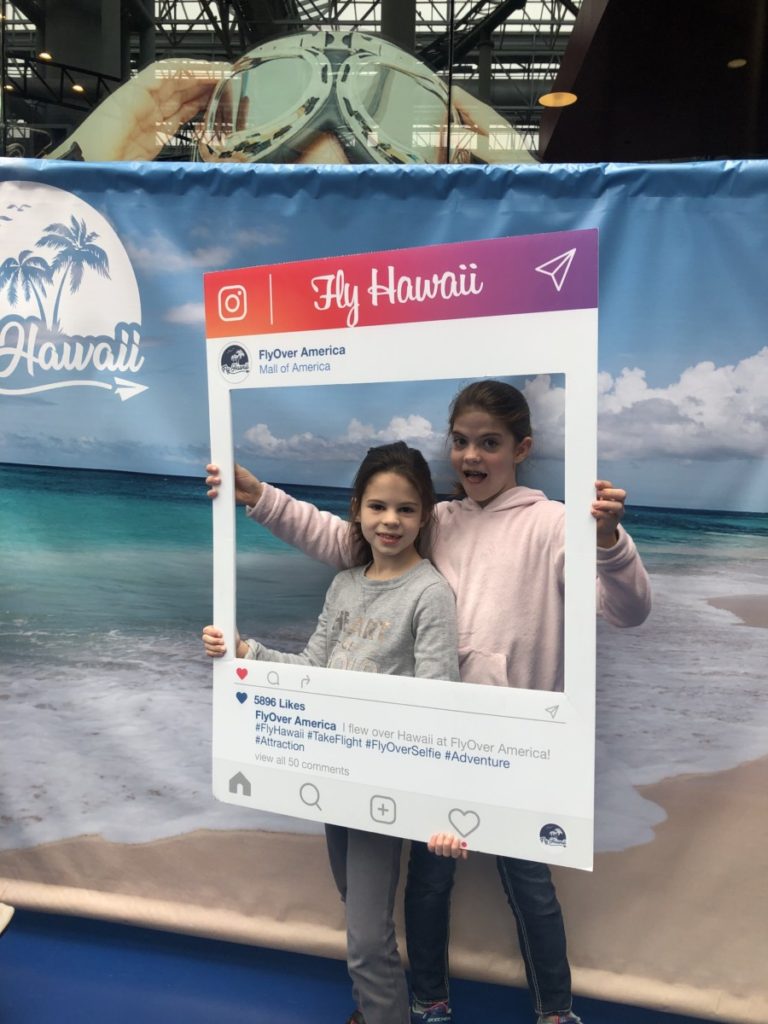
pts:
[242, 697]
[241, 673]
[465, 822]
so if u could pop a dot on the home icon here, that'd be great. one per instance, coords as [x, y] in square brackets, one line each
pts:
[239, 782]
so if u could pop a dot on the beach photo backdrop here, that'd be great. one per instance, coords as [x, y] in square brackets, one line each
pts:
[105, 539]
[274, 594]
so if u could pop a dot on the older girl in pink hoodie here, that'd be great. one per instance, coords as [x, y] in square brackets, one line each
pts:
[501, 549]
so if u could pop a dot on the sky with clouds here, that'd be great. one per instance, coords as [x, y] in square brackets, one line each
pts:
[683, 384]
[311, 435]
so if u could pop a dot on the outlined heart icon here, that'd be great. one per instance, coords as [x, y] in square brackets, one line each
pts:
[241, 672]
[465, 822]
[242, 697]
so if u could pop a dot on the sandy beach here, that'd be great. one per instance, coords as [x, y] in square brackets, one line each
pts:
[678, 924]
[752, 609]
[682, 918]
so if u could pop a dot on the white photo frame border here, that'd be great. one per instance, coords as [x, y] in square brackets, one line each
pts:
[537, 803]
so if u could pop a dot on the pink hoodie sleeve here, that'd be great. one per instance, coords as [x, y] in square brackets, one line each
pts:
[623, 587]
[321, 535]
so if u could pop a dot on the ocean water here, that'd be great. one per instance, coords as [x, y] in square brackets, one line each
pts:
[105, 693]
[684, 692]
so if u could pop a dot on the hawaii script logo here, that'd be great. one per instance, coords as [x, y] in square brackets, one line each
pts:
[64, 274]
[335, 291]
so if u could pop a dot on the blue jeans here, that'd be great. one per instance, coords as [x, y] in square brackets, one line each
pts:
[540, 928]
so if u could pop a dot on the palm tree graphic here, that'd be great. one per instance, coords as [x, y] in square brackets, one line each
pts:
[76, 253]
[28, 273]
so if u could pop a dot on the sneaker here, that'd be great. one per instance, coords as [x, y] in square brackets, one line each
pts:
[560, 1018]
[434, 1013]
[356, 1018]
[6, 913]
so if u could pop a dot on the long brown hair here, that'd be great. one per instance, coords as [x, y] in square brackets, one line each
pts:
[408, 463]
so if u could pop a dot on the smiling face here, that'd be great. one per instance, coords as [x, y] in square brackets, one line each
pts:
[390, 517]
[485, 455]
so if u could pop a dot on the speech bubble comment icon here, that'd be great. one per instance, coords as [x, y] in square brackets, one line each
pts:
[310, 795]
[464, 822]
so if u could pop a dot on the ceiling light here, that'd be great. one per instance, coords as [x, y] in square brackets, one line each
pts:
[8, 87]
[737, 62]
[44, 55]
[78, 88]
[558, 99]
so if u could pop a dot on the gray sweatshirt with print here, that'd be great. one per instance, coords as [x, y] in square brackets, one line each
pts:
[404, 626]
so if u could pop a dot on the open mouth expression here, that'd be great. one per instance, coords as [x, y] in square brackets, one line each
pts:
[485, 455]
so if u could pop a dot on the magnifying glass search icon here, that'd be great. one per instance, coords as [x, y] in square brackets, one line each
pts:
[310, 795]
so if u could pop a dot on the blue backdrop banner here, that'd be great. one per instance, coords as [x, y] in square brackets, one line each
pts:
[105, 542]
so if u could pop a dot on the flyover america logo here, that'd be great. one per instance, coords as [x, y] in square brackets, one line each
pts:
[70, 313]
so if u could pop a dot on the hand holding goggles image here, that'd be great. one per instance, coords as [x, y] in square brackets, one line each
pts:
[377, 103]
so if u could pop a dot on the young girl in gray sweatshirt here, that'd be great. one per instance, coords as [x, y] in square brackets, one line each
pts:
[393, 613]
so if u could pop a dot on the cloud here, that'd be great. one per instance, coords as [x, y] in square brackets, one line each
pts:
[347, 447]
[244, 236]
[547, 405]
[261, 440]
[414, 430]
[157, 252]
[97, 453]
[189, 313]
[709, 412]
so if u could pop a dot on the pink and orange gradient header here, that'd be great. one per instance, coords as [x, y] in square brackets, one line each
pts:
[491, 277]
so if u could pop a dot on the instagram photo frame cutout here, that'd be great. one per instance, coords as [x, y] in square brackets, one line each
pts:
[509, 770]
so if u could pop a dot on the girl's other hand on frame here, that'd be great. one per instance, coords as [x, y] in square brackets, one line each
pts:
[446, 844]
[248, 487]
[608, 511]
[213, 642]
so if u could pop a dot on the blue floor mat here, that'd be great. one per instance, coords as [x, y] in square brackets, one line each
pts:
[64, 970]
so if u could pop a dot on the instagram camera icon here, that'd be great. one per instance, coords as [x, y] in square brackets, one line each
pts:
[233, 302]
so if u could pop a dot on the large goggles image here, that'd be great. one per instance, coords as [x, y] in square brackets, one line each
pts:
[381, 104]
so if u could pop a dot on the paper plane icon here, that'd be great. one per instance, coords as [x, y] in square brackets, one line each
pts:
[557, 268]
[552, 711]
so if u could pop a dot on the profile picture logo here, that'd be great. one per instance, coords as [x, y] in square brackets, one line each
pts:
[235, 363]
[552, 835]
[233, 302]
